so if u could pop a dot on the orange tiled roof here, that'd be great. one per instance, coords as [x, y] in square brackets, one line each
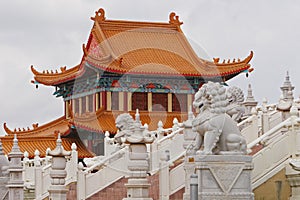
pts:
[47, 130]
[42, 137]
[144, 48]
[30, 144]
[104, 120]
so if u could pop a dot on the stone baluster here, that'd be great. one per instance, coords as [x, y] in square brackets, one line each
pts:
[3, 173]
[164, 176]
[175, 124]
[81, 182]
[265, 117]
[72, 170]
[190, 137]
[15, 184]
[57, 189]
[47, 157]
[160, 128]
[38, 175]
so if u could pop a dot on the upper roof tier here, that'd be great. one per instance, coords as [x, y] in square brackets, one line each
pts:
[130, 47]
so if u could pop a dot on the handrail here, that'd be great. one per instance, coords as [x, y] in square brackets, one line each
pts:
[269, 133]
[46, 167]
[170, 135]
[102, 162]
[248, 119]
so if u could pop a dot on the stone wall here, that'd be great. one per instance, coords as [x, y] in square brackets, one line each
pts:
[276, 187]
[118, 191]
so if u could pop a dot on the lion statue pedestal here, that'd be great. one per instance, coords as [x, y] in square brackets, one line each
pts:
[221, 163]
[132, 133]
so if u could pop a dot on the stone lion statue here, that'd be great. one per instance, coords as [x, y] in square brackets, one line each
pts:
[218, 132]
[125, 126]
[235, 109]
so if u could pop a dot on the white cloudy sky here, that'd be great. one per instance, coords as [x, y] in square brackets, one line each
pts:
[49, 34]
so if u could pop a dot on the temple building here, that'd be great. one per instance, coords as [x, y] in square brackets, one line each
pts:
[126, 65]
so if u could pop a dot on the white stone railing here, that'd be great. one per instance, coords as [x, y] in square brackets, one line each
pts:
[269, 134]
[278, 145]
[113, 166]
[250, 128]
[36, 172]
[173, 143]
[108, 171]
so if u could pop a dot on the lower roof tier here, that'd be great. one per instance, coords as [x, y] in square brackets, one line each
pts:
[43, 137]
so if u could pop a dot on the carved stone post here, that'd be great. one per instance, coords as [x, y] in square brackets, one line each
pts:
[57, 189]
[223, 169]
[292, 171]
[134, 135]
[15, 183]
[190, 137]
[3, 173]
[164, 177]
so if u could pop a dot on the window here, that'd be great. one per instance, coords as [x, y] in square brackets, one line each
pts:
[76, 105]
[139, 101]
[115, 100]
[83, 104]
[179, 102]
[159, 101]
[91, 103]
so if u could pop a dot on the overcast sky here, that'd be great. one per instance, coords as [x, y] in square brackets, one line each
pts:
[49, 34]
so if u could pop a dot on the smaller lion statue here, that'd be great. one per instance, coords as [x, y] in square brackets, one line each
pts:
[235, 109]
[218, 132]
[125, 126]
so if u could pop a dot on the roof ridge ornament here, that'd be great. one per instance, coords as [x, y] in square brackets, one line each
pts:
[99, 15]
[174, 19]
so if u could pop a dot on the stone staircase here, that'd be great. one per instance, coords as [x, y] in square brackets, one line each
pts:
[273, 150]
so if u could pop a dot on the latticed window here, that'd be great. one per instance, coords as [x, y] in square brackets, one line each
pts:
[115, 101]
[91, 103]
[159, 101]
[179, 102]
[139, 101]
[76, 105]
[83, 104]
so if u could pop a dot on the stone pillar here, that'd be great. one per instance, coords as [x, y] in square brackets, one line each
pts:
[3, 174]
[292, 171]
[15, 184]
[134, 134]
[108, 101]
[190, 137]
[170, 102]
[189, 168]
[57, 189]
[38, 175]
[164, 176]
[149, 99]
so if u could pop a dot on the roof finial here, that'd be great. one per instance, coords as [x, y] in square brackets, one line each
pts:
[174, 19]
[100, 15]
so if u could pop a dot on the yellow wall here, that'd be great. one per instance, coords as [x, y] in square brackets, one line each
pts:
[271, 190]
